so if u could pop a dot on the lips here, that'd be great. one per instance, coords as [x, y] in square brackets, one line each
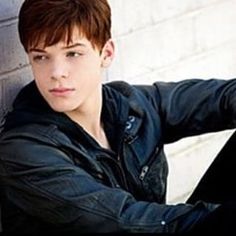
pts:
[61, 91]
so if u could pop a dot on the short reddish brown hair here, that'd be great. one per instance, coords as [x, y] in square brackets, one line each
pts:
[50, 21]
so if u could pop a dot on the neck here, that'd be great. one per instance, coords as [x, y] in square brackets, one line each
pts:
[94, 128]
[89, 117]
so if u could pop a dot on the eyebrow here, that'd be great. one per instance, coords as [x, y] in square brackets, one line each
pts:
[67, 47]
[74, 46]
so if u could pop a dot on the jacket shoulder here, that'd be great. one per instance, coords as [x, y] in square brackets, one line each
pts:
[121, 86]
[137, 92]
[128, 89]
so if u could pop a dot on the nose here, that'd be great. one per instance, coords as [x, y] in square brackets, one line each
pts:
[59, 70]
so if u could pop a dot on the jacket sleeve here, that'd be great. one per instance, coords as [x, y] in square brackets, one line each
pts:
[44, 182]
[195, 106]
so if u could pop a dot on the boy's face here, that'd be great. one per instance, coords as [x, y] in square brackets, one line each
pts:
[69, 77]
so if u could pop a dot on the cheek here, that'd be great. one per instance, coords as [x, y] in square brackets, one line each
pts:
[40, 80]
[41, 83]
[40, 74]
[41, 86]
[94, 63]
[36, 73]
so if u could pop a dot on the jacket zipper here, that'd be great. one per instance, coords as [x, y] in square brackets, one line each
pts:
[146, 167]
[143, 172]
[122, 173]
[119, 168]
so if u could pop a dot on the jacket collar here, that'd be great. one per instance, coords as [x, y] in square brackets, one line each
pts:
[120, 113]
[130, 113]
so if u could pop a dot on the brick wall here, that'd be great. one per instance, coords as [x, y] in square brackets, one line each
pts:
[14, 72]
[173, 40]
[155, 40]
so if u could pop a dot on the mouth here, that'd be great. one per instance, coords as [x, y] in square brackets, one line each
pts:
[61, 91]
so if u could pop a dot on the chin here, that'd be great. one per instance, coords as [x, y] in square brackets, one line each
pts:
[59, 109]
[63, 109]
[63, 106]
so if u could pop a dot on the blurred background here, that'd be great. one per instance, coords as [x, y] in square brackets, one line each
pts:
[156, 40]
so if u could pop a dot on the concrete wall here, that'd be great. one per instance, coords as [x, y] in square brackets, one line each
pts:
[155, 40]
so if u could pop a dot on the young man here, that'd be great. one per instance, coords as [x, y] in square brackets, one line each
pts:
[77, 155]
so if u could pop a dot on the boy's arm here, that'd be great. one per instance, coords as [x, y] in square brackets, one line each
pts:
[43, 182]
[195, 106]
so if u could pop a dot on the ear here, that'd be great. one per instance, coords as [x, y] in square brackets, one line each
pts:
[107, 54]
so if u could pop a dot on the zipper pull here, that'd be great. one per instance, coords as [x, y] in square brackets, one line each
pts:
[143, 172]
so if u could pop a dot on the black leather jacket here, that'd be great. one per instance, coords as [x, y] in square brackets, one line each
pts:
[55, 177]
